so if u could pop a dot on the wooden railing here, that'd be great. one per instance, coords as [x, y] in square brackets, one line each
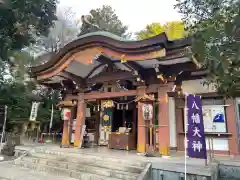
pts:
[146, 174]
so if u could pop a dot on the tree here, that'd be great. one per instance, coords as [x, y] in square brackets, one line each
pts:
[104, 19]
[21, 21]
[215, 28]
[17, 91]
[151, 30]
[65, 30]
[174, 30]
[21, 60]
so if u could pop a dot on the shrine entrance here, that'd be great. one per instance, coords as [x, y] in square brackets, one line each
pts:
[113, 85]
[118, 123]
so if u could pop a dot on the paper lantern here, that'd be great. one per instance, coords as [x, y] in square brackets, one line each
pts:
[66, 114]
[147, 110]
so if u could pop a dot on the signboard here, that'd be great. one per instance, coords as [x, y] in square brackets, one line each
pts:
[34, 111]
[213, 118]
[195, 136]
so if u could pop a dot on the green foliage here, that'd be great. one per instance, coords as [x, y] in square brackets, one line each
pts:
[15, 96]
[20, 61]
[21, 23]
[23, 20]
[19, 97]
[150, 31]
[215, 27]
[106, 20]
[174, 30]
[47, 99]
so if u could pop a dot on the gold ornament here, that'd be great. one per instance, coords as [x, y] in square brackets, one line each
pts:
[107, 104]
[122, 58]
[105, 117]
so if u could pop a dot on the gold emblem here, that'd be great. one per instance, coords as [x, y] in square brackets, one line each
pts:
[105, 117]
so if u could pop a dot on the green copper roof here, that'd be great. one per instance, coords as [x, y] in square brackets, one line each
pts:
[104, 33]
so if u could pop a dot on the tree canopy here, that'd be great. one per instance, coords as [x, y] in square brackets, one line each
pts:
[174, 30]
[18, 92]
[22, 21]
[215, 28]
[104, 19]
[64, 30]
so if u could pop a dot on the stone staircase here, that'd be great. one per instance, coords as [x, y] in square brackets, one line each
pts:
[82, 166]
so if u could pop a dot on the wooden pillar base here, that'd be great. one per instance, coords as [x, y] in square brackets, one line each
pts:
[65, 135]
[80, 121]
[141, 136]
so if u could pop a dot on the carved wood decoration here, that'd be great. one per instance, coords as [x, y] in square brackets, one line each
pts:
[146, 97]
[107, 104]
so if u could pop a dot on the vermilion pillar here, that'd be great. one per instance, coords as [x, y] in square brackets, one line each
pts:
[65, 135]
[163, 120]
[232, 126]
[141, 137]
[80, 120]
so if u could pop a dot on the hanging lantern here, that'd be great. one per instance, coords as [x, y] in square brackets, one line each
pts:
[118, 106]
[94, 109]
[147, 110]
[98, 108]
[66, 114]
[126, 106]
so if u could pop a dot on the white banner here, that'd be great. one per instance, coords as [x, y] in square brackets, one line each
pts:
[34, 111]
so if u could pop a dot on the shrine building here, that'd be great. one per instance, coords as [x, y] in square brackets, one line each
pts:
[130, 94]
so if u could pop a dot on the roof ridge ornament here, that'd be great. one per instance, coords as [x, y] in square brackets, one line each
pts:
[86, 18]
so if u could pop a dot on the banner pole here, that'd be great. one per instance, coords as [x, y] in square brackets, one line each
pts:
[209, 150]
[212, 149]
[51, 120]
[4, 126]
[185, 140]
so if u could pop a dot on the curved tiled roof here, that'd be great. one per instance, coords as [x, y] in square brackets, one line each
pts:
[106, 34]
[114, 42]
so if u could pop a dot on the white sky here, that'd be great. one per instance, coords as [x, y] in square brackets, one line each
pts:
[136, 14]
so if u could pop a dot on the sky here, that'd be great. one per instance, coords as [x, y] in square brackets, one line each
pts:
[136, 14]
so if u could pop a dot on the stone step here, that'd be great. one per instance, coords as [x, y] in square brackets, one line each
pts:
[57, 171]
[91, 158]
[88, 162]
[11, 172]
[117, 160]
[83, 168]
